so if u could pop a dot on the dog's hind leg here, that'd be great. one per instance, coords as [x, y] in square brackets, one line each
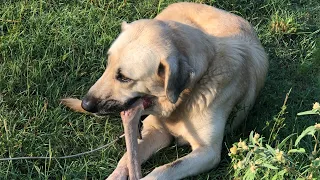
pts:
[241, 113]
[154, 137]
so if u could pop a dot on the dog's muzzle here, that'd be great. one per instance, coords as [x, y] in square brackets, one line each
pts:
[104, 107]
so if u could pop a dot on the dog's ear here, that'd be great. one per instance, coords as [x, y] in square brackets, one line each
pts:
[178, 75]
[124, 25]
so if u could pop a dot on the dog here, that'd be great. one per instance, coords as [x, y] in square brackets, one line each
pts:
[192, 65]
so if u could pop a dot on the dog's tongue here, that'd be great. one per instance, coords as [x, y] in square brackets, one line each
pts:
[146, 102]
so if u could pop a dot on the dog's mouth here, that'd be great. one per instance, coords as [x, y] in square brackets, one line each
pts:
[114, 107]
[146, 100]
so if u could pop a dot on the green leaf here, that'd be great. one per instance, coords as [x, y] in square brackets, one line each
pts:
[249, 175]
[279, 175]
[283, 142]
[275, 177]
[271, 149]
[309, 131]
[247, 158]
[64, 57]
[251, 137]
[316, 162]
[300, 150]
[268, 166]
[311, 112]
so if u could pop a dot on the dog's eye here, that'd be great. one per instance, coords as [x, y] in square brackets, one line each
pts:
[120, 77]
[161, 70]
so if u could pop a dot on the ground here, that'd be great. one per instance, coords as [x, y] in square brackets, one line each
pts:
[54, 49]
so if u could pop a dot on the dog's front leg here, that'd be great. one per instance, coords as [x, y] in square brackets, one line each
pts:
[199, 160]
[154, 137]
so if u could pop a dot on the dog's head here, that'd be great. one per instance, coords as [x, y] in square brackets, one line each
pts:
[143, 62]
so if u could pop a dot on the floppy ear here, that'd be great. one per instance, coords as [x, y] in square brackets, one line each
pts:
[178, 75]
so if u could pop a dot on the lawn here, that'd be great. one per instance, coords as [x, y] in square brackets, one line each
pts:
[54, 49]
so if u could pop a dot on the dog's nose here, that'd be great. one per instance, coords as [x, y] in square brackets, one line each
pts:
[89, 103]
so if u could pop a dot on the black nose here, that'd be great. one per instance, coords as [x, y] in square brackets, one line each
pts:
[89, 103]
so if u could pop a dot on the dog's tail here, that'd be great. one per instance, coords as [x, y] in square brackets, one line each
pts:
[73, 104]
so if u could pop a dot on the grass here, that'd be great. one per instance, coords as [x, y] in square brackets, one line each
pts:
[53, 49]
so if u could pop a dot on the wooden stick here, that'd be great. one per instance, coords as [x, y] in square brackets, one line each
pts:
[130, 119]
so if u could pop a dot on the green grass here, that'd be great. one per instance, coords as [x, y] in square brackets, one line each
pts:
[53, 49]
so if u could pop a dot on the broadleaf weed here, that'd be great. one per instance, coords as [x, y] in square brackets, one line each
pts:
[256, 159]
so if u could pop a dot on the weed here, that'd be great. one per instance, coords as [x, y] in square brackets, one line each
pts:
[255, 159]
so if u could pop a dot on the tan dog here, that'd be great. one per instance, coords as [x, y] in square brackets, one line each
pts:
[191, 65]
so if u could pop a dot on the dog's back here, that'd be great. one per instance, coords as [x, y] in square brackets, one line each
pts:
[209, 19]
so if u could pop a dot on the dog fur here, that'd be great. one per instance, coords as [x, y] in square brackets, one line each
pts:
[197, 64]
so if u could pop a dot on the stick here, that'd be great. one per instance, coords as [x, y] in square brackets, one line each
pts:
[130, 119]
